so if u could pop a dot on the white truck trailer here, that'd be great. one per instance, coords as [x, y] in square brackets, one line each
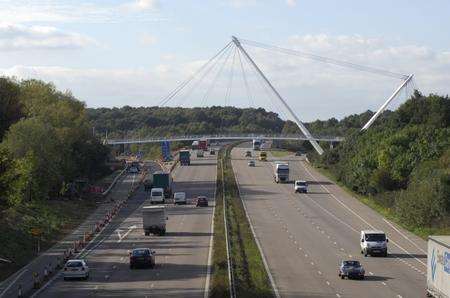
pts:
[438, 267]
[281, 172]
[154, 220]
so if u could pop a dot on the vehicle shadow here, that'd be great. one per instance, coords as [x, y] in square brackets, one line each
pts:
[376, 278]
[186, 234]
[319, 182]
[406, 256]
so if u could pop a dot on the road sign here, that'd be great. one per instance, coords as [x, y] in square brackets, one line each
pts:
[36, 231]
[165, 149]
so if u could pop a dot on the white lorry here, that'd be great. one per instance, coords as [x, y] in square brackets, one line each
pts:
[154, 220]
[281, 172]
[157, 196]
[438, 267]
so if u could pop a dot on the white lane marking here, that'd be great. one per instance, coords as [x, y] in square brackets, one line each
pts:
[328, 283]
[211, 242]
[312, 263]
[118, 234]
[126, 234]
[339, 296]
[350, 256]
[404, 236]
[320, 273]
[13, 282]
[383, 283]
[362, 219]
[399, 296]
[266, 266]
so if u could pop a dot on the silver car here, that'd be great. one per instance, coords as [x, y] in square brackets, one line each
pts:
[251, 163]
[76, 269]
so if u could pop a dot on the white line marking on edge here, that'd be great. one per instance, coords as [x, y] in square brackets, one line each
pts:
[12, 283]
[404, 236]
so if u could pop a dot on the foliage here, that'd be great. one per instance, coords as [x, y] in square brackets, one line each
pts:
[401, 161]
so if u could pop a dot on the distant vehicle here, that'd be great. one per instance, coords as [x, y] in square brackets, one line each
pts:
[256, 144]
[142, 257]
[373, 243]
[203, 145]
[148, 183]
[298, 153]
[163, 180]
[157, 195]
[438, 266]
[281, 172]
[200, 153]
[76, 269]
[194, 145]
[351, 269]
[301, 186]
[133, 170]
[212, 152]
[202, 201]
[248, 154]
[185, 157]
[263, 156]
[154, 220]
[251, 163]
[179, 198]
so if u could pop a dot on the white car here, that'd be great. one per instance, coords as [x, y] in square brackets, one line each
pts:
[76, 269]
[179, 198]
[133, 170]
[157, 196]
[374, 243]
[301, 186]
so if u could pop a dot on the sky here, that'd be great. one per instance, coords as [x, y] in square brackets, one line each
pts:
[112, 53]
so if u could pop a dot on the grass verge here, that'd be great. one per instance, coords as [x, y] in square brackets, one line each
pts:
[219, 278]
[55, 219]
[388, 213]
[279, 153]
[249, 273]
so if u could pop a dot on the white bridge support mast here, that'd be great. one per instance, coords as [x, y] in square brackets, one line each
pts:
[296, 120]
[384, 106]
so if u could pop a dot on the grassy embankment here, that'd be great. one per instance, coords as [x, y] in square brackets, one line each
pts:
[250, 276]
[388, 213]
[55, 218]
[280, 153]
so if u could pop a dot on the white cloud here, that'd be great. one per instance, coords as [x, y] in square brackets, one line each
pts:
[241, 3]
[291, 3]
[142, 5]
[148, 39]
[24, 11]
[21, 37]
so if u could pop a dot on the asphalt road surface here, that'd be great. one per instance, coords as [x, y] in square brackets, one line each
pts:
[181, 255]
[304, 236]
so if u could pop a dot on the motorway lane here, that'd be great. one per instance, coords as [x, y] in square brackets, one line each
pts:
[181, 255]
[305, 236]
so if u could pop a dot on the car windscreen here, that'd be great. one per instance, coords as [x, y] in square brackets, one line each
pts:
[74, 264]
[301, 183]
[140, 253]
[156, 193]
[375, 237]
[351, 263]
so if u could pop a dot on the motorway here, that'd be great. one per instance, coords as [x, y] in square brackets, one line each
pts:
[181, 255]
[304, 236]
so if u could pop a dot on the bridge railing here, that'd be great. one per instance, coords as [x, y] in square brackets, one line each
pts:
[291, 137]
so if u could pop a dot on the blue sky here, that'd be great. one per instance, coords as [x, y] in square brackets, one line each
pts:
[114, 53]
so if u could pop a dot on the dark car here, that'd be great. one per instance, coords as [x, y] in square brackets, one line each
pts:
[212, 152]
[142, 257]
[351, 269]
[202, 201]
[248, 154]
[298, 153]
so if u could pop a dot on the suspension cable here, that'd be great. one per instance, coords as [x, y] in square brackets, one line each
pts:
[247, 87]
[230, 82]
[174, 92]
[325, 59]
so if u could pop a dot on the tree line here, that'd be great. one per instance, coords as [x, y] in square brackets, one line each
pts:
[402, 162]
[46, 142]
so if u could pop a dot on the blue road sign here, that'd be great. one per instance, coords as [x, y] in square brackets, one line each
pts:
[165, 149]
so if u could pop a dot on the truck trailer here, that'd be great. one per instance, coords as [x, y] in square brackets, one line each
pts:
[281, 172]
[185, 157]
[203, 145]
[163, 180]
[438, 267]
[154, 220]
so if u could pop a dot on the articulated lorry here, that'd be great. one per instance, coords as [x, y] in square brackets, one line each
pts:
[203, 145]
[154, 220]
[163, 180]
[438, 267]
[281, 172]
[185, 157]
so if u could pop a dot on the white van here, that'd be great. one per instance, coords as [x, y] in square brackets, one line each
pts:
[373, 242]
[179, 198]
[156, 196]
